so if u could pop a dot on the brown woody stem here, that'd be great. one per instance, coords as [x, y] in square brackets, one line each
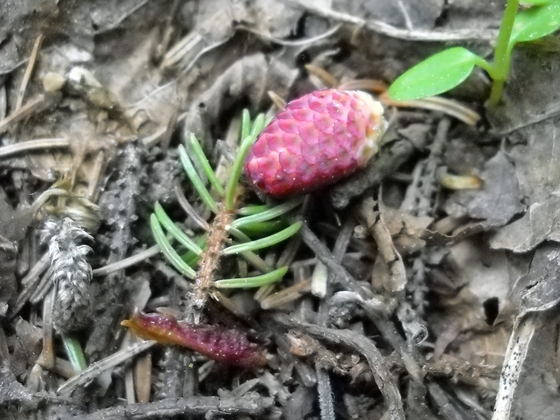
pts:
[210, 257]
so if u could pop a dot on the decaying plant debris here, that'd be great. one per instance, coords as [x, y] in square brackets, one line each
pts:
[405, 298]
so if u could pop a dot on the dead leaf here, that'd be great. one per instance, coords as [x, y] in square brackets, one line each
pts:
[499, 200]
[540, 288]
[540, 223]
[8, 284]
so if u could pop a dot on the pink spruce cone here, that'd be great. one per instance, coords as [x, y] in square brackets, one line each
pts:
[317, 140]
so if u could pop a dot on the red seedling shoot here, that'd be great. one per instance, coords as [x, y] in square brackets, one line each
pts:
[226, 346]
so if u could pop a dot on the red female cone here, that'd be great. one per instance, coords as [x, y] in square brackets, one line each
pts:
[315, 141]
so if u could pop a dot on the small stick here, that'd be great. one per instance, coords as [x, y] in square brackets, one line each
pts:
[326, 78]
[143, 377]
[46, 196]
[437, 103]
[129, 384]
[383, 28]
[189, 209]
[383, 378]
[28, 71]
[30, 282]
[375, 86]
[349, 283]
[4, 351]
[22, 113]
[252, 404]
[517, 348]
[277, 100]
[287, 295]
[47, 357]
[300, 42]
[99, 367]
[98, 167]
[127, 262]
[156, 137]
[31, 145]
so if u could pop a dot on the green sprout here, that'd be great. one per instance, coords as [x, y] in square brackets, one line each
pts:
[234, 231]
[449, 68]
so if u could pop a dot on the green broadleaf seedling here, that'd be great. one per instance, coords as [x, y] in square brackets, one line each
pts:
[449, 68]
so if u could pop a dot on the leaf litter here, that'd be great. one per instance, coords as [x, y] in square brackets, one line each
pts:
[435, 303]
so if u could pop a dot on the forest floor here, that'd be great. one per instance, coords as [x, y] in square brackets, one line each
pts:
[406, 296]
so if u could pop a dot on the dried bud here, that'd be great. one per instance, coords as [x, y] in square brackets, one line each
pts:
[70, 272]
[227, 346]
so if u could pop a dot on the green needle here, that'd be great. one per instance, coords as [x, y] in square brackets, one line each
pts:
[250, 282]
[264, 242]
[174, 258]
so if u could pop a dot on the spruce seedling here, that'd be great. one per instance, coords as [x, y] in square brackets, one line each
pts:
[449, 68]
[232, 231]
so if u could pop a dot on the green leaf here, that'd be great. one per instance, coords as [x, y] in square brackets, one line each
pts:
[251, 209]
[179, 235]
[264, 242]
[258, 125]
[250, 256]
[249, 282]
[203, 161]
[267, 214]
[437, 74]
[75, 353]
[237, 167]
[168, 250]
[260, 229]
[535, 23]
[245, 123]
[536, 2]
[189, 257]
[203, 192]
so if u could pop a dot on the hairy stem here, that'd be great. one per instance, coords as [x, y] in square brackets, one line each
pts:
[210, 257]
